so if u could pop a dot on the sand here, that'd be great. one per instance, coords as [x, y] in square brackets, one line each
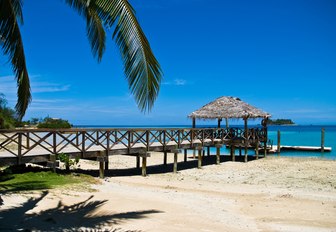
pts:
[271, 194]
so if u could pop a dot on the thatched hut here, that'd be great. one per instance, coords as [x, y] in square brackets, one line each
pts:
[227, 108]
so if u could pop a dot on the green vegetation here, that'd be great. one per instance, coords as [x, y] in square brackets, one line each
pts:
[53, 123]
[8, 118]
[65, 158]
[142, 70]
[13, 179]
[280, 122]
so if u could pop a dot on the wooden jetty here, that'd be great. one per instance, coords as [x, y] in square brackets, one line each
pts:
[43, 145]
[275, 148]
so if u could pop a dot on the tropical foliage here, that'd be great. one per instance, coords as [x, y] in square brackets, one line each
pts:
[8, 118]
[53, 123]
[141, 68]
[280, 122]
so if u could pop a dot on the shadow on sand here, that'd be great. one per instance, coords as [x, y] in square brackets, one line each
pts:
[161, 168]
[77, 217]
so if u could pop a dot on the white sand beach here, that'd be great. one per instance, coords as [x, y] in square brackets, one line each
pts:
[270, 194]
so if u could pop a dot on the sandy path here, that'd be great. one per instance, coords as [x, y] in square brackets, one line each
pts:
[272, 194]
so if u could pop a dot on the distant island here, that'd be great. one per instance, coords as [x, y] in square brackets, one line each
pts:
[280, 122]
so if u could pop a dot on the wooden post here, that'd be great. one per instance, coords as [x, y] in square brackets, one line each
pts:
[19, 161]
[144, 164]
[185, 155]
[107, 150]
[219, 123]
[53, 162]
[218, 147]
[175, 151]
[227, 123]
[77, 140]
[233, 155]
[322, 139]
[208, 151]
[27, 142]
[97, 138]
[240, 151]
[199, 157]
[246, 139]
[138, 161]
[165, 157]
[257, 148]
[279, 142]
[101, 159]
[194, 154]
[101, 169]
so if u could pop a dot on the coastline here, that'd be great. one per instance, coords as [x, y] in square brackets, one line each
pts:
[271, 194]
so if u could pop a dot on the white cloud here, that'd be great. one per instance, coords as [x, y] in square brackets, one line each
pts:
[8, 86]
[177, 82]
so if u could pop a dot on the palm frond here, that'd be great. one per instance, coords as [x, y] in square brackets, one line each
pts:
[12, 46]
[142, 70]
[94, 26]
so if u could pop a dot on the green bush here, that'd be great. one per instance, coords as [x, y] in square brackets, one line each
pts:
[54, 123]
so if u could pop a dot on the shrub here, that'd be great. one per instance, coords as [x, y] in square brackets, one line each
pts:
[54, 123]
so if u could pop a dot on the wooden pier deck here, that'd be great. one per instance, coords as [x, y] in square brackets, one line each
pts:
[42, 145]
[274, 148]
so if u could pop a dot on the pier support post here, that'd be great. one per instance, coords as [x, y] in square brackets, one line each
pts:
[322, 139]
[218, 147]
[144, 165]
[200, 150]
[185, 155]
[175, 151]
[53, 162]
[208, 151]
[138, 161]
[101, 169]
[101, 159]
[107, 160]
[232, 152]
[279, 142]
[165, 157]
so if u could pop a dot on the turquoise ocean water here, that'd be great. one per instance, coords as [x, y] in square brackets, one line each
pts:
[297, 135]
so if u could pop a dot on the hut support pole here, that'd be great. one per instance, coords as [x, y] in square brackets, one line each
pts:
[200, 149]
[246, 138]
[232, 151]
[218, 147]
[227, 123]
[208, 151]
[219, 123]
[185, 155]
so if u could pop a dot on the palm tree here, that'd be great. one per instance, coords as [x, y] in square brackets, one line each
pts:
[141, 68]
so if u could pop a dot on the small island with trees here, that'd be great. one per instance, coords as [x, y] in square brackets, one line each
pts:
[280, 122]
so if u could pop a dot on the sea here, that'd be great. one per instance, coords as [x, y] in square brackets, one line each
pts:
[291, 135]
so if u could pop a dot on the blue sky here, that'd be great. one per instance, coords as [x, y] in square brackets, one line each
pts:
[279, 56]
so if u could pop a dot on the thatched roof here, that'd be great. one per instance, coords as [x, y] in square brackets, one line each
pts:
[228, 107]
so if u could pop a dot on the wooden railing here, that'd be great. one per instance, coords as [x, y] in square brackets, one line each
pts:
[35, 141]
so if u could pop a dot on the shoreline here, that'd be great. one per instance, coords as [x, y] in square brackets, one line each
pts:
[269, 194]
